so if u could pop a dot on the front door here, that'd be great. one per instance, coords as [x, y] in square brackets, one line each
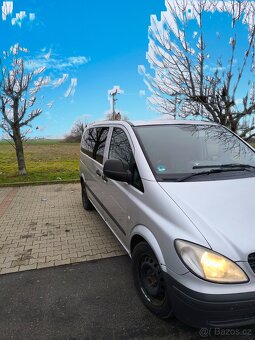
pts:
[118, 195]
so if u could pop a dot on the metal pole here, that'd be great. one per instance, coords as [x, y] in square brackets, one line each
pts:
[113, 103]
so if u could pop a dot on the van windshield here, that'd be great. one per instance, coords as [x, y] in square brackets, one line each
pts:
[175, 152]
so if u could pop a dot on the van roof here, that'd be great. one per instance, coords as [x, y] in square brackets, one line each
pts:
[167, 121]
[151, 122]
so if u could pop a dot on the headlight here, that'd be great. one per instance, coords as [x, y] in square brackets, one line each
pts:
[209, 265]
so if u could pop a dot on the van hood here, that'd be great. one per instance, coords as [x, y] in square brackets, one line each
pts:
[222, 210]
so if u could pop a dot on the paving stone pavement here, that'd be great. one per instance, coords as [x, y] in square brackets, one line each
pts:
[45, 226]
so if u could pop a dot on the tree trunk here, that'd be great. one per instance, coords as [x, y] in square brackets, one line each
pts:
[19, 152]
[234, 127]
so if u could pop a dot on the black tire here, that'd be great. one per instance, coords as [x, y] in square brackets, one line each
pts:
[87, 205]
[149, 281]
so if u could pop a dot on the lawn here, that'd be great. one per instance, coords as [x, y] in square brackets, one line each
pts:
[46, 160]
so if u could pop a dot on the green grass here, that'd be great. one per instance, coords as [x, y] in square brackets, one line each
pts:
[46, 160]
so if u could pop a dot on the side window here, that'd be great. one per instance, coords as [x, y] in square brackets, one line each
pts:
[93, 143]
[120, 149]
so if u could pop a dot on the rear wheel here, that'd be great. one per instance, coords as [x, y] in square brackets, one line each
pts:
[87, 205]
[149, 281]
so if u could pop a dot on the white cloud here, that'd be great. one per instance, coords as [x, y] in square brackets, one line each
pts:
[56, 63]
[71, 90]
[50, 104]
[141, 93]
[18, 18]
[77, 61]
[7, 9]
[47, 55]
[31, 16]
[21, 15]
[53, 65]
[61, 80]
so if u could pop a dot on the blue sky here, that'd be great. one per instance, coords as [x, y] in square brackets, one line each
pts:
[101, 43]
[98, 45]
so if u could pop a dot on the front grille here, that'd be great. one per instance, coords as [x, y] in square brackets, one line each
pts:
[251, 260]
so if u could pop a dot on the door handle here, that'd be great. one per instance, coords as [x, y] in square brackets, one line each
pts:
[98, 173]
[104, 178]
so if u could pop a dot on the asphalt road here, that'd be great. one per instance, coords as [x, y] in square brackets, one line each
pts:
[90, 300]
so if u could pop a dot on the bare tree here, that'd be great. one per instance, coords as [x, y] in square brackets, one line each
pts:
[191, 77]
[18, 89]
[93, 142]
[76, 132]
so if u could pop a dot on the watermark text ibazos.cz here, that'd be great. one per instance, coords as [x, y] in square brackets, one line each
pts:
[208, 332]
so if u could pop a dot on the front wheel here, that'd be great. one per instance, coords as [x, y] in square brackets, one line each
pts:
[149, 281]
[87, 205]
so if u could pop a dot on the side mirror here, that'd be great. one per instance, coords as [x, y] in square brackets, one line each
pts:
[114, 169]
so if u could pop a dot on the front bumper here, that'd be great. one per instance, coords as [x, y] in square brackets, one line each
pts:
[210, 310]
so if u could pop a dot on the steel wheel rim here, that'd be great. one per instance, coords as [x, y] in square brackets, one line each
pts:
[152, 280]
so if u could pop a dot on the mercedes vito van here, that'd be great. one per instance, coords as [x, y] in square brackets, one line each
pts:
[179, 196]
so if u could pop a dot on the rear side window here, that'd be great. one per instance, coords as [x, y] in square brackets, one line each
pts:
[93, 143]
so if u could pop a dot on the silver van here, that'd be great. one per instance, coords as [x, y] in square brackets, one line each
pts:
[179, 196]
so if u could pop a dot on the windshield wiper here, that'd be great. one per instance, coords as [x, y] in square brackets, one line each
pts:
[221, 168]
[212, 171]
[238, 166]
[218, 168]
